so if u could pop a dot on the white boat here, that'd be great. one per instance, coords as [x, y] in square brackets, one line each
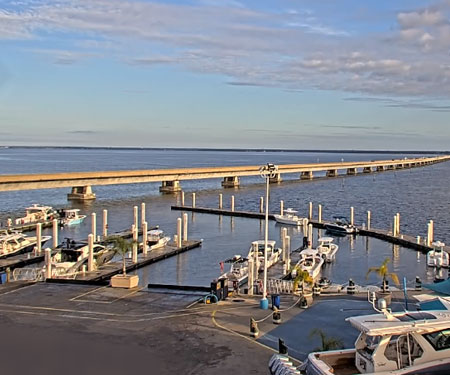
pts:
[273, 254]
[71, 256]
[16, 243]
[156, 239]
[438, 257]
[238, 272]
[310, 261]
[341, 226]
[289, 217]
[37, 214]
[71, 217]
[327, 249]
[391, 343]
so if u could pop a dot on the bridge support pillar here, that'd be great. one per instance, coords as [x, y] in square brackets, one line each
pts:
[399, 166]
[230, 182]
[170, 187]
[276, 179]
[390, 167]
[332, 173]
[367, 170]
[351, 171]
[380, 168]
[307, 175]
[81, 193]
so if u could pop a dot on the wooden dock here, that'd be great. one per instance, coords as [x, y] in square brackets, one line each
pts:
[102, 275]
[404, 240]
[20, 260]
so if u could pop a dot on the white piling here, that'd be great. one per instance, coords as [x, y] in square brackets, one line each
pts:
[418, 240]
[287, 241]
[398, 223]
[368, 219]
[352, 216]
[94, 224]
[394, 227]
[232, 203]
[136, 216]
[135, 231]
[55, 233]
[220, 201]
[185, 227]
[319, 216]
[310, 211]
[430, 233]
[48, 263]
[251, 278]
[310, 236]
[105, 223]
[179, 226]
[38, 237]
[281, 207]
[90, 252]
[182, 198]
[193, 200]
[261, 205]
[144, 238]
[143, 218]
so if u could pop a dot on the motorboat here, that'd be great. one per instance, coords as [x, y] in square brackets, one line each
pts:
[438, 257]
[402, 343]
[341, 226]
[156, 239]
[71, 217]
[310, 261]
[70, 257]
[391, 343]
[37, 214]
[273, 253]
[327, 249]
[238, 272]
[17, 243]
[289, 217]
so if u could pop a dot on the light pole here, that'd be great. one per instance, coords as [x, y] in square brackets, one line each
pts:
[267, 171]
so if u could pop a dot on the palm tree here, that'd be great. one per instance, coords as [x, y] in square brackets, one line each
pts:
[327, 342]
[302, 277]
[121, 246]
[383, 272]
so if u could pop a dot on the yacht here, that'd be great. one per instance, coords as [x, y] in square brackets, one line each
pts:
[310, 261]
[438, 257]
[71, 217]
[341, 226]
[289, 217]
[403, 343]
[273, 254]
[16, 243]
[37, 214]
[327, 249]
[156, 239]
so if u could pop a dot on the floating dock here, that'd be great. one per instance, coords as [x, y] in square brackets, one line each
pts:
[386, 235]
[102, 275]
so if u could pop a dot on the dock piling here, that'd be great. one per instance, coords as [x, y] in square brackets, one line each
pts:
[185, 227]
[55, 233]
[310, 215]
[398, 224]
[136, 216]
[418, 240]
[352, 216]
[287, 260]
[319, 216]
[182, 198]
[281, 207]
[134, 230]
[193, 200]
[94, 224]
[232, 203]
[48, 263]
[38, 238]
[91, 252]
[220, 201]
[261, 205]
[144, 238]
[368, 219]
[142, 213]
[105, 224]
[310, 236]
[430, 233]
[179, 225]
[394, 227]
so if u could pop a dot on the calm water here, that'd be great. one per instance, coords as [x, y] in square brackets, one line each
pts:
[419, 195]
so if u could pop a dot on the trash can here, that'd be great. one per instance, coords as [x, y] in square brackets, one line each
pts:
[216, 289]
[275, 301]
[224, 287]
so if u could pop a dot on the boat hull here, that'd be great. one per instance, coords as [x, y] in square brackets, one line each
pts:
[26, 249]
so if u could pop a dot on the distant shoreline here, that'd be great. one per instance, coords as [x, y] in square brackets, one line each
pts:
[200, 149]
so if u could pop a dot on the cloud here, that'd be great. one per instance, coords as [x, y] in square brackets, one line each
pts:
[398, 103]
[87, 132]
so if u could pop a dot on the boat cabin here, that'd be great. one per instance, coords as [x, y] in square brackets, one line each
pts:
[12, 242]
[261, 247]
[155, 235]
[37, 213]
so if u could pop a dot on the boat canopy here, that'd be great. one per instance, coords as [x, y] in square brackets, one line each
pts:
[155, 232]
[442, 287]
[326, 239]
[290, 211]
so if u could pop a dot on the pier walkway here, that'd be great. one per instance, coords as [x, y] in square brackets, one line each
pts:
[82, 182]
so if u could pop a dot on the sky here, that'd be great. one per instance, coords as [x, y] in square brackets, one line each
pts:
[293, 74]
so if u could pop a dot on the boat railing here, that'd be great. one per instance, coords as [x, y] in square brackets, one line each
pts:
[28, 274]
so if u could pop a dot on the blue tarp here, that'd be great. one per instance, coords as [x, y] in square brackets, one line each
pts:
[435, 304]
[442, 287]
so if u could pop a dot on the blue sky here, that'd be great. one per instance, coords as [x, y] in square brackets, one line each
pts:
[226, 73]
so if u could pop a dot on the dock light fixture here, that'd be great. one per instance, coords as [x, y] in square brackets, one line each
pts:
[266, 171]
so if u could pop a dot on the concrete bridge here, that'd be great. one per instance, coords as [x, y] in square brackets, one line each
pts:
[81, 182]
